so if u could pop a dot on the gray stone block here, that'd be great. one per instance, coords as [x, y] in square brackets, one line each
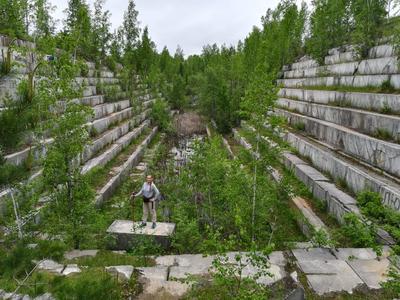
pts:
[127, 233]
[372, 272]
[80, 253]
[358, 178]
[362, 121]
[122, 272]
[355, 253]
[381, 154]
[329, 276]
[313, 254]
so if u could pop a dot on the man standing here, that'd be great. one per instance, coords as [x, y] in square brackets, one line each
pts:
[150, 193]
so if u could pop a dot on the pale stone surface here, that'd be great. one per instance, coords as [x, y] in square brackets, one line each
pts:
[71, 269]
[304, 255]
[80, 253]
[372, 272]
[358, 178]
[325, 276]
[154, 273]
[168, 260]
[355, 253]
[50, 266]
[114, 149]
[123, 272]
[379, 153]
[362, 121]
[160, 289]
[126, 232]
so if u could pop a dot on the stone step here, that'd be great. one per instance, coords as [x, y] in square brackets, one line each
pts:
[381, 154]
[96, 80]
[345, 81]
[105, 109]
[124, 170]
[127, 233]
[116, 148]
[384, 65]
[89, 90]
[111, 135]
[91, 100]
[101, 125]
[363, 121]
[367, 101]
[357, 177]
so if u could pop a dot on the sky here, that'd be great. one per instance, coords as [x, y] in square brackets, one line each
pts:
[188, 23]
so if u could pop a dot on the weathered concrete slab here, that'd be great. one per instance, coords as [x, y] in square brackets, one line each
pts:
[127, 232]
[50, 266]
[371, 271]
[167, 260]
[363, 121]
[154, 273]
[304, 255]
[71, 269]
[122, 272]
[182, 272]
[358, 178]
[381, 154]
[80, 253]
[354, 253]
[326, 276]
[160, 289]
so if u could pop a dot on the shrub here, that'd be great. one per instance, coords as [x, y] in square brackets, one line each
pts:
[84, 69]
[160, 115]
[359, 234]
[371, 204]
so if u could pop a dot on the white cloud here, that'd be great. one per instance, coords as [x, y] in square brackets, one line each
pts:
[189, 23]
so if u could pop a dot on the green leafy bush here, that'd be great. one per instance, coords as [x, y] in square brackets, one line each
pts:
[160, 115]
[359, 234]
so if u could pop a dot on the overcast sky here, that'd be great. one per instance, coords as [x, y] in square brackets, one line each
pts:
[189, 23]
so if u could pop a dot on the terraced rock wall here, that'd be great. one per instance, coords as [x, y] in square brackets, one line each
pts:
[341, 124]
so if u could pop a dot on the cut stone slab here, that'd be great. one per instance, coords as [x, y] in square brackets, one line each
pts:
[354, 253]
[154, 273]
[178, 272]
[372, 271]
[71, 269]
[50, 266]
[122, 272]
[313, 254]
[330, 276]
[160, 289]
[167, 260]
[127, 232]
[80, 253]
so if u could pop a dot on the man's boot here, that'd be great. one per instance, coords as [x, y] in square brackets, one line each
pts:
[154, 225]
[143, 224]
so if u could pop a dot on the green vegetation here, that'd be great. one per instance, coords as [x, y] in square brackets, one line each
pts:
[373, 208]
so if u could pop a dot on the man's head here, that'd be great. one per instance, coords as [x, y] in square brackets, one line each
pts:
[149, 179]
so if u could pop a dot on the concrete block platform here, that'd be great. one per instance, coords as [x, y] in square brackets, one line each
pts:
[127, 233]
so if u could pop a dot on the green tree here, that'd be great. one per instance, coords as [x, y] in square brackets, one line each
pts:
[131, 27]
[44, 23]
[78, 29]
[146, 53]
[13, 18]
[369, 17]
[101, 29]
[330, 26]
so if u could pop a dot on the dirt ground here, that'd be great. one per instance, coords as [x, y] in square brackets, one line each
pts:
[189, 123]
